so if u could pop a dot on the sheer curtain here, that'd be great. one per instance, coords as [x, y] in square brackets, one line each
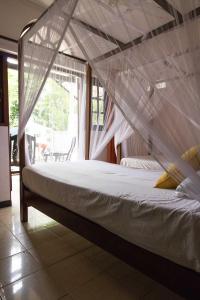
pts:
[57, 119]
[107, 122]
[124, 131]
[104, 122]
[38, 49]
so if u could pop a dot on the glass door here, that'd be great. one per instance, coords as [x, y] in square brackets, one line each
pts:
[12, 64]
[1, 92]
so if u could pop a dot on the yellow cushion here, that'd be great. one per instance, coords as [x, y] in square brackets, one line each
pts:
[167, 179]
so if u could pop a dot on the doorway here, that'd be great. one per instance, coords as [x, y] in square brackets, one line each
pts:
[13, 98]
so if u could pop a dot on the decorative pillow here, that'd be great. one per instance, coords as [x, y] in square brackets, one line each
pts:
[167, 180]
[186, 185]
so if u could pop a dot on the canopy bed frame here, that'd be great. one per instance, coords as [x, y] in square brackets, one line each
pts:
[178, 278]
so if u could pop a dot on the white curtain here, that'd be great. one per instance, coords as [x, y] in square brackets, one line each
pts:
[38, 49]
[104, 123]
[124, 131]
[58, 116]
[107, 122]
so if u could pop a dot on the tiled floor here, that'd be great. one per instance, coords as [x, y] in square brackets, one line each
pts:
[43, 260]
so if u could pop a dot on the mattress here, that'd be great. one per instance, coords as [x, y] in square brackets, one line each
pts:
[124, 201]
[140, 162]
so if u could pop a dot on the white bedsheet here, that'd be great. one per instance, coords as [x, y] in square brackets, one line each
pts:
[124, 201]
[141, 162]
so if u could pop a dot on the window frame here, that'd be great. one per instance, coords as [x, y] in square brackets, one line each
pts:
[4, 65]
[98, 113]
[4, 121]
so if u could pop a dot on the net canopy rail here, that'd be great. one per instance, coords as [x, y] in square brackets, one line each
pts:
[146, 56]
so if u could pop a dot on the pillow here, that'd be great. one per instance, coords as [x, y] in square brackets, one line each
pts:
[185, 185]
[166, 181]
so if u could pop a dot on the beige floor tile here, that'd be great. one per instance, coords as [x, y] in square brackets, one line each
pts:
[9, 218]
[37, 286]
[6, 211]
[59, 229]
[52, 251]
[17, 266]
[92, 252]
[106, 287]
[10, 246]
[135, 286]
[73, 272]
[77, 241]
[120, 270]
[31, 239]
[17, 227]
[161, 293]
[5, 234]
[37, 219]
[102, 258]
[143, 280]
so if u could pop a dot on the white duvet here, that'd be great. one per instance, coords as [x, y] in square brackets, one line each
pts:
[124, 201]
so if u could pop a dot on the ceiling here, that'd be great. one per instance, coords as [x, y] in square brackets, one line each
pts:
[42, 3]
[15, 15]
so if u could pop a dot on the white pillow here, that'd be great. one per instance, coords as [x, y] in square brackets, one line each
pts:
[184, 186]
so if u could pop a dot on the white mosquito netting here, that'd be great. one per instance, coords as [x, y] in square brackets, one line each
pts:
[145, 54]
[53, 110]
[58, 116]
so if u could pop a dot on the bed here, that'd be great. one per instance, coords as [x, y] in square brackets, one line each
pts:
[140, 162]
[118, 209]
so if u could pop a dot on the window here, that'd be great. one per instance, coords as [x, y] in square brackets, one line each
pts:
[98, 106]
[12, 72]
[13, 93]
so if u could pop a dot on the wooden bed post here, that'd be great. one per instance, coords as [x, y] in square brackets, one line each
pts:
[88, 110]
[119, 153]
[23, 202]
[22, 161]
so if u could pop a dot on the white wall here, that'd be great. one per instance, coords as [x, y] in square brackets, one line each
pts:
[8, 46]
[4, 165]
[15, 14]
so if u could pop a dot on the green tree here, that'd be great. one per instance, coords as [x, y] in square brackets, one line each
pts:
[13, 97]
[52, 109]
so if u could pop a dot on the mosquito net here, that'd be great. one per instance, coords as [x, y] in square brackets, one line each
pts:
[145, 55]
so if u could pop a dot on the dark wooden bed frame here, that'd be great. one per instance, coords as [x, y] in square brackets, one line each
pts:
[181, 280]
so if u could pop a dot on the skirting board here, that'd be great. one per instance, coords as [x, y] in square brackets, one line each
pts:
[5, 203]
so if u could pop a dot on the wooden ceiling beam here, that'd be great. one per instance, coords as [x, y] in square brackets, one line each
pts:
[137, 41]
[166, 6]
[161, 29]
[98, 32]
